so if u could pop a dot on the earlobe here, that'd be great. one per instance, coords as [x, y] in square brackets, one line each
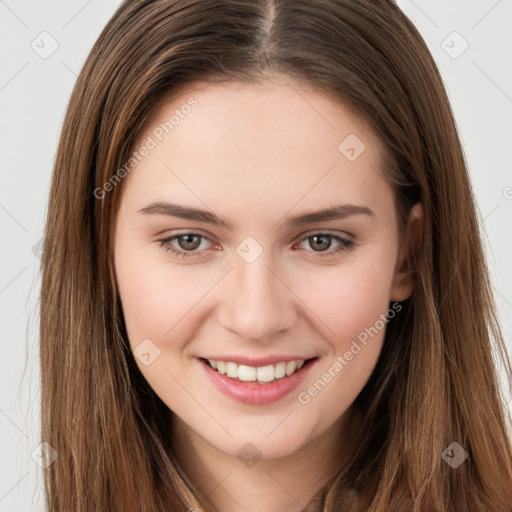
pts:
[403, 279]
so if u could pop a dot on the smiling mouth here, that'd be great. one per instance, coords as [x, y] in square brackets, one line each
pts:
[261, 374]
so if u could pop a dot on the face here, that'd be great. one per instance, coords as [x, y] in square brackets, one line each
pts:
[256, 229]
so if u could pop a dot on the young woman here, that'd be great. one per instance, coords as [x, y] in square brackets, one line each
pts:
[264, 287]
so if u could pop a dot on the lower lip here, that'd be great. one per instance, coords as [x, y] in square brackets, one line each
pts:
[252, 392]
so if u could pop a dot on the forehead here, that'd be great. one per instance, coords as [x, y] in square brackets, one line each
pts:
[253, 147]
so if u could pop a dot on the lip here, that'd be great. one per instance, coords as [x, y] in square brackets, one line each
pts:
[251, 392]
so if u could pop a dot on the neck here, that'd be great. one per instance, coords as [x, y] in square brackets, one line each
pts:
[286, 484]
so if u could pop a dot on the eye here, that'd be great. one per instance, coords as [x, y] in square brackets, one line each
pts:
[320, 243]
[188, 244]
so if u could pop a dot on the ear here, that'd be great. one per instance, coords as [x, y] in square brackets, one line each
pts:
[403, 278]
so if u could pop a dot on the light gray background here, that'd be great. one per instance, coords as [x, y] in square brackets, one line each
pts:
[34, 92]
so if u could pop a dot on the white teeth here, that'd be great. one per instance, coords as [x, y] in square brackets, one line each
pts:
[279, 370]
[232, 370]
[221, 366]
[247, 373]
[260, 374]
[266, 373]
[291, 367]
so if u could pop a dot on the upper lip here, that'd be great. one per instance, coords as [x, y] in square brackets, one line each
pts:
[259, 361]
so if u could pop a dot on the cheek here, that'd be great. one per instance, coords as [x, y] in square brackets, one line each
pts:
[352, 303]
[348, 298]
[158, 301]
[156, 297]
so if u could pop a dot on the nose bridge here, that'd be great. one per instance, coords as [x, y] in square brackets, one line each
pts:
[257, 304]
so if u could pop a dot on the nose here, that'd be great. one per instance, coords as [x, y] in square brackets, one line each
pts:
[256, 301]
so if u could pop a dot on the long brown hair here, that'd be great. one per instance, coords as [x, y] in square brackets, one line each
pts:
[436, 381]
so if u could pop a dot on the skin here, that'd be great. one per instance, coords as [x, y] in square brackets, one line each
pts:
[256, 155]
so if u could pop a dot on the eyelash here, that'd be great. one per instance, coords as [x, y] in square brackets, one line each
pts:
[346, 244]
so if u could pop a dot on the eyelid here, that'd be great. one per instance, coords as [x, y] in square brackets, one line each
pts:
[329, 232]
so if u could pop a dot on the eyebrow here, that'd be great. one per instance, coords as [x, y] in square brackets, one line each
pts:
[341, 211]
